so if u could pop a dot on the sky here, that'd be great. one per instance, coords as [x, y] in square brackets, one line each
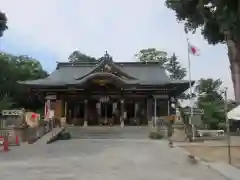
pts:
[49, 30]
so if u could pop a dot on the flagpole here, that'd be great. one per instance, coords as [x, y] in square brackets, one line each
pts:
[190, 95]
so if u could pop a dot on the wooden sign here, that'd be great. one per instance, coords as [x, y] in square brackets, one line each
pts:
[12, 112]
[195, 111]
[51, 97]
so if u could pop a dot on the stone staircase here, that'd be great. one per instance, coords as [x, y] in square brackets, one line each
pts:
[105, 132]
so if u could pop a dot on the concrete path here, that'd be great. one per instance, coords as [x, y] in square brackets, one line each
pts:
[102, 159]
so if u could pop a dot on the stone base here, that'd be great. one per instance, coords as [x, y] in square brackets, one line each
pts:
[122, 124]
[85, 124]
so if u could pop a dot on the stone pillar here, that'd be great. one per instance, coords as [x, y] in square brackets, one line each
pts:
[122, 113]
[85, 124]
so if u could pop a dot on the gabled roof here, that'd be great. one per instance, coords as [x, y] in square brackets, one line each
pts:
[133, 73]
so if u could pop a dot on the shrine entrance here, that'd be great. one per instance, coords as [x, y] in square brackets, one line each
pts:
[106, 112]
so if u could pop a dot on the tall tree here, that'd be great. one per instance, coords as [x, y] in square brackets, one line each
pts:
[77, 56]
[152, 55]
[175, 69]
[211, 101]
[3, 23]
[13, 69]
[220, 23]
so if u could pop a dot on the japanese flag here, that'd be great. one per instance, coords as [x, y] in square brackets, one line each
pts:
[193, 50]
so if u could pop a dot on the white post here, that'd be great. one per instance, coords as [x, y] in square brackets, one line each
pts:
[155, 112]
[227, 127]
[190, 94]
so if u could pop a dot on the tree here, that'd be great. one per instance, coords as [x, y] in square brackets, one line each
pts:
[18, 68]
[152, 55]
[211, 101]
[77, 56]
[175, 69]
[3, 23]
[219, 21]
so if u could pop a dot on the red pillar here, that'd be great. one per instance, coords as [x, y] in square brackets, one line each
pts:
[17, 140]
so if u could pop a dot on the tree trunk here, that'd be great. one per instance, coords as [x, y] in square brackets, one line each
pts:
[234, 59]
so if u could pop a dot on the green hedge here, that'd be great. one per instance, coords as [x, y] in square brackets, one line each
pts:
[155, 135]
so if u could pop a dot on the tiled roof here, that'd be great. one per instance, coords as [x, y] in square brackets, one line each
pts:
[76, 73]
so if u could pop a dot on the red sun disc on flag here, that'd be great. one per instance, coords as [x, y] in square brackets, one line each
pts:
[193, 50]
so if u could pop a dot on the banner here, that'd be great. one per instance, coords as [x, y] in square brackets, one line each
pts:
[32, 119]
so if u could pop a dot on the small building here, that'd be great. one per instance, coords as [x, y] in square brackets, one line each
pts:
[108, 92]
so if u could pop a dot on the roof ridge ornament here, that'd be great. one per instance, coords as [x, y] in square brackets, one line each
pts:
[107, 56]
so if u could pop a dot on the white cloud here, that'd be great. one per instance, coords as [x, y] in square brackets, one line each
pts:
[121, 27]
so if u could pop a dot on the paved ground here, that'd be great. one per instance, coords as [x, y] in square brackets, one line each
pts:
[114, 159]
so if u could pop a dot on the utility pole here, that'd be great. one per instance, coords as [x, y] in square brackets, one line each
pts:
[227, 126]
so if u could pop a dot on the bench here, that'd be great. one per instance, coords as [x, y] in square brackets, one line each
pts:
[210, 133]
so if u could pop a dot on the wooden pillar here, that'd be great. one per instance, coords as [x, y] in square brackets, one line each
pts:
[114, 112]
[98, 106]
[149, 110]
[169, 106]
[58, 109]
[135, 109]
[122, 113]
[135, 112]
[65, 109]
[85, 113]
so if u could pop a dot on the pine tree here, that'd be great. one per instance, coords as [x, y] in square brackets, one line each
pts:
[173, 66]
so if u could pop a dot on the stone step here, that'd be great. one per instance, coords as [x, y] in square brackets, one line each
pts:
[178, 135]
[108, 133]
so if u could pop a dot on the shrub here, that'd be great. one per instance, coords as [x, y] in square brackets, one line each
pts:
[64, 136]
[155, 135]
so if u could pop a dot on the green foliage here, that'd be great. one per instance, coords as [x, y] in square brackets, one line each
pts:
[208, 86]
[216, 18]
[14, 69]
[77, 56]
[211, 101]
[155, 135]
[152, 55]
[175, 69]
[3, 23]
[5, 102]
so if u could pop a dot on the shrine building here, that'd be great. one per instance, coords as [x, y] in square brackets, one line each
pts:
[105, 92]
